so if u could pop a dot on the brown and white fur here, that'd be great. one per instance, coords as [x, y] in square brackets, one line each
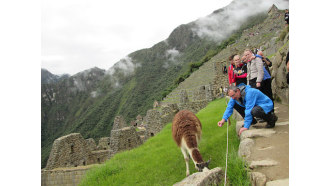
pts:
[186, 132]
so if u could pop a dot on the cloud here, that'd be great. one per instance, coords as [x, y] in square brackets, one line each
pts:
[94, 94]
[91, 33]
[125, 67]
[219, 26]
[172, 54]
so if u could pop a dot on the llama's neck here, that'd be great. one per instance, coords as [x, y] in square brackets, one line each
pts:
[196, 156]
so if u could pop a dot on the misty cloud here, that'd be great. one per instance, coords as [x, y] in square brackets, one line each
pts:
[172, 54]
[94, 94]
[219, 26]
[125, 65]
[79, 84]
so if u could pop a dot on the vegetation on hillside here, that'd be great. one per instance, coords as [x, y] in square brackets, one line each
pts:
[160, 162]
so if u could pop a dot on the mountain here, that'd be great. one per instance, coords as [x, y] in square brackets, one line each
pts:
[87, 102]
[49, 78]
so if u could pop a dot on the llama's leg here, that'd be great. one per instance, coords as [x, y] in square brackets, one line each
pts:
[186, 159]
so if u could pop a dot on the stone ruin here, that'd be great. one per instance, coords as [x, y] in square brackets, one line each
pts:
[156, 119]
[199, 101]
[122, 137]
[73, 150]
[104, 143]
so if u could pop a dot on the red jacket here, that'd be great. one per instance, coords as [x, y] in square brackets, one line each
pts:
[231, 77]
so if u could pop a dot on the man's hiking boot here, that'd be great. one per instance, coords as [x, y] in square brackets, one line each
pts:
[273, 119]
[261, 120]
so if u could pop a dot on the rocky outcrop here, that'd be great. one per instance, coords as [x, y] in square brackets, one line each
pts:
[209, 177]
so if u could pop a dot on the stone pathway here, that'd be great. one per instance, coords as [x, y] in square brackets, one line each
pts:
[267, 150]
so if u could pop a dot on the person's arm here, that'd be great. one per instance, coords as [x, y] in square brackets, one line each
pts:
[230, 75]
[268, 62]
[229, 109]
[241, 76]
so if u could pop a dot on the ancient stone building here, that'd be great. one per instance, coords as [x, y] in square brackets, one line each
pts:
[68, 151]
[119, 123]
[123, 139]
[91, 144]
[104, 143]
[73, 150]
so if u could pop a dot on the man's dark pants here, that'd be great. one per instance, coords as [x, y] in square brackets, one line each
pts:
[257, 111]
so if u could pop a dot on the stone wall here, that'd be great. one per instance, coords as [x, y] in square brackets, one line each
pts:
[104, 143]
[280, 87]
[68, 177]
[99, 156]
[119, 123]
[68, 151]
[123, 139]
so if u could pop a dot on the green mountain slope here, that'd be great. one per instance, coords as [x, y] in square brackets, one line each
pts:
[160, 162]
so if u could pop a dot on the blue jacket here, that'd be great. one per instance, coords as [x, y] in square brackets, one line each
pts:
[251, 97]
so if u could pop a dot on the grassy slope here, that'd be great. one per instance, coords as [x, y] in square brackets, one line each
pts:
[160, 162]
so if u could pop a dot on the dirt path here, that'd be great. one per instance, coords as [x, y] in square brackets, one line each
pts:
[268, 151]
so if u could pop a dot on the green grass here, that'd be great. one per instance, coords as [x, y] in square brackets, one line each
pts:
[160, 162]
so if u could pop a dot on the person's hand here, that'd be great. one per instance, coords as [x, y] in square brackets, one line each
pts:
[220, 123]
[258, 84]
[241, 130]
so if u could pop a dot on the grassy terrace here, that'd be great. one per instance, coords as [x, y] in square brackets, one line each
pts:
[160, 162]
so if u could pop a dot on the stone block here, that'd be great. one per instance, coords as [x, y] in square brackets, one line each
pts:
[209, 177]
[262, 163]
[245, 146]
[258, 179]
[253, 133]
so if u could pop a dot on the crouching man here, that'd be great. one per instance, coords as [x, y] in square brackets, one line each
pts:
[254, 103]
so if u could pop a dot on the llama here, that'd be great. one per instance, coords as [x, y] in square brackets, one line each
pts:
[186, 132]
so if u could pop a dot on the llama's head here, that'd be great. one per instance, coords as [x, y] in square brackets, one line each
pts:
[201, 166]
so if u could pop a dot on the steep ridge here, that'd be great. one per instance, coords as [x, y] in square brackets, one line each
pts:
[264, 35]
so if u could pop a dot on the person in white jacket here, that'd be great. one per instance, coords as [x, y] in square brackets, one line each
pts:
[255, 69]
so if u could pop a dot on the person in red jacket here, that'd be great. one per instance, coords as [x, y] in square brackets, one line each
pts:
[231, 76]
[240, 71]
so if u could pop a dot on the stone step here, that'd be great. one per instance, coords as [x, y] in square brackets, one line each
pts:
[282, 182]
[262, 163]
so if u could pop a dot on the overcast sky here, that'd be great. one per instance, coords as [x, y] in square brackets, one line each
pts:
[81, 34]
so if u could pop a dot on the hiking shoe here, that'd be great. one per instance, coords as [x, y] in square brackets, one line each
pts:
[261, 121]
[271, 123]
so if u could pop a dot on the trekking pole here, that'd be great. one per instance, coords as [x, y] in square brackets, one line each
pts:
[227, 147]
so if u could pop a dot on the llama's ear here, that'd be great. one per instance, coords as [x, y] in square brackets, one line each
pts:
[208, 162]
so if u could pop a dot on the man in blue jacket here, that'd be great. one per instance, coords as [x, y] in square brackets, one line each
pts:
[256, 104]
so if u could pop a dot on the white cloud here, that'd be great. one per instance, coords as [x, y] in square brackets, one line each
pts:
[172, 54]
[219, 26]
[85, 34]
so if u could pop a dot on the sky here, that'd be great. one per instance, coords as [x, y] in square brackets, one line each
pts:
[78, 35]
